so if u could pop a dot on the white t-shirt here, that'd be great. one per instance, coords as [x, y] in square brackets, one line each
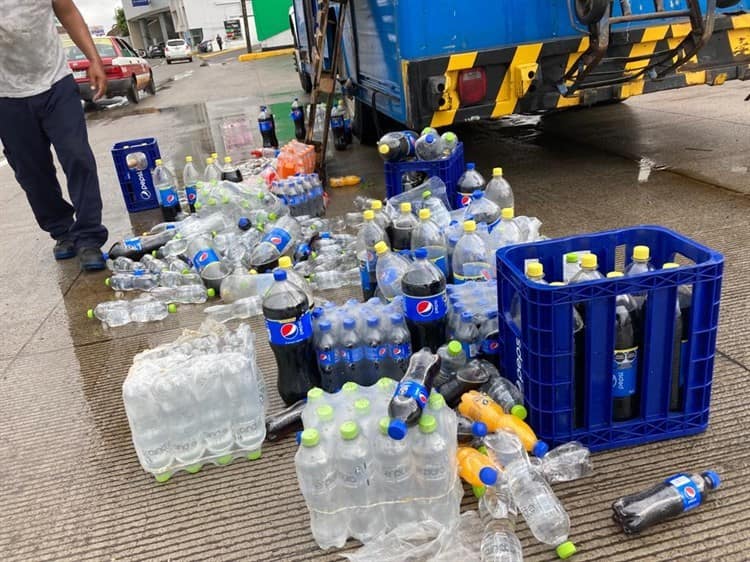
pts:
[31, 55]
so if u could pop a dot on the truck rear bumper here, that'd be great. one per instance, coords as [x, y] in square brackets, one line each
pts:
[526, 78]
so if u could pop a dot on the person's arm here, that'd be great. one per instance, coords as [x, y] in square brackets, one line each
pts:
[72, 20]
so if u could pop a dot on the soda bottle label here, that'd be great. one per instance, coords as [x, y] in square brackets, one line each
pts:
[376, 353]
[169, 197]
[399, 351]
[203, 258]
[426, 309]
[412, 389]
[297, 114]
[278, 237]
[353, 354]
[133, 244]
[337, 122]
[462, 200]
[191, 192]
[265, 126]
[441, 262]
[470, 349]
[490, 346]
[691, 495]
[624, 372]
[476, 272]
[291, 331]
[326, 358]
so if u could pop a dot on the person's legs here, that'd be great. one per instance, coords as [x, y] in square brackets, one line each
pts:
[27, 148]
[64, 123]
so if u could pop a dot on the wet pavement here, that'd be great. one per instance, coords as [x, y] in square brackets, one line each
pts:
[70, 485]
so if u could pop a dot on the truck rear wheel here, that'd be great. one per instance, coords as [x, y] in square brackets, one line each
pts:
[363, 124]
[591, 11]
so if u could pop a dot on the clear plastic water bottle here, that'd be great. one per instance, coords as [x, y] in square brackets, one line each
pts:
[468, 334]
[470, 257]
[190, 177]
[482, 209]
[450, 142]
[215, 421]
[246, 406]
[394, 476]
[468, 183]
[136, 281]
[498, 190]
[506, 232]
[429, 147]
[166, 187]
[148, 309]
[389, 269]
[435, 466]
[439, 213]
[317, 477]
[589, 270]
[240, 309]
[452, 358]
[211, 173]
[146, 417]
[567, 462]
[427, 234]
[183, 294]
[499, 540]
[571, 266]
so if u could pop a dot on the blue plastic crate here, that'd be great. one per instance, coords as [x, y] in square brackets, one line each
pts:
[541, 354]
[137, 186]
[448, 169]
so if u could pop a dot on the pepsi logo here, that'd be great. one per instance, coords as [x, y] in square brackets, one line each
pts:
[422, 398]
[425, 308]
[465, 200]
[381, 351]
[494, 345]
[690, 492]
[202, 257]
[275, 240]
[323, 357]
[170, 198]
[396, 351]
[288, 331]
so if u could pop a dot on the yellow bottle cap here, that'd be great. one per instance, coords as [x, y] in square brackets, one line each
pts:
[470, 226]
[424, 214]
[615, 274]
[158, 162]
[376, 205]
[589, 261]
[535, 269]
[214, 155]
[381, 248]
[368, 215]
[497, 171]
[228, 159]
[285, 262]
[670, 265]
[641, 253]
[508, 213]
[188, 158]
[405, 207]
[384, 149]
[209, 160]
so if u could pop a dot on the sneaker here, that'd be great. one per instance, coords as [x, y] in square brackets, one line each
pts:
[64, 249]
[91, 259]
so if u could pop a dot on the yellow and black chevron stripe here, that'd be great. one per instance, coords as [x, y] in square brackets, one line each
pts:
[523, 78]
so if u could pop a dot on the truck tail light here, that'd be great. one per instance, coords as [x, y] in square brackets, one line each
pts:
[472, 86]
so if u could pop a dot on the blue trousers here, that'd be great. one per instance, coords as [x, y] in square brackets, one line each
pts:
[28, 127]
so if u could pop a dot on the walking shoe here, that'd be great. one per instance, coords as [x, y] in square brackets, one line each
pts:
[64, 249]
[91, 259]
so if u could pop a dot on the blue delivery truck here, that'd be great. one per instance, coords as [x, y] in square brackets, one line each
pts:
[440, 62]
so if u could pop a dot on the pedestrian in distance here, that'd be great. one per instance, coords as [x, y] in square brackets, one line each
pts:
[40, 107]
[220, 42]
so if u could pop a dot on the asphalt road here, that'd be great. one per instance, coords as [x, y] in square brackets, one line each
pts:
[70, 484]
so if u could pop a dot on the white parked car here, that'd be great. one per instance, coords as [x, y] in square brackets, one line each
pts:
[177, 49]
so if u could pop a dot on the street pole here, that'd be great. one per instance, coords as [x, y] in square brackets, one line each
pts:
[247, 26]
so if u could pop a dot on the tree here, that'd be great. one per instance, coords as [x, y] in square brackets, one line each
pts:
[121, 24]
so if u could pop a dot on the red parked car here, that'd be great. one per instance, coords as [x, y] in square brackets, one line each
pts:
[127, 73]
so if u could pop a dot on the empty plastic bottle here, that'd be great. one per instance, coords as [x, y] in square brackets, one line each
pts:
[468, 334]
[439, 213]
[427, 234]
[394, 147]
[498, 190]
[450, 142]
[148, 309]
[390, 269]
[499, 540]
[481, 209]
[298, 118]
[240, 309]
[507, 395]
[412, 393]
[680, 354]
[191, 178]
[212, 172]
[470, 257]
[164, 183]
[368, 236]
[506, 232]
[203, 255]
[394, 476]
[468, 183]
[403, 225]
[138, 280]
[183, 294]
[668, 499]
[567, 462]
[317, 477]
[452, 358]
[589, 270]
[544, 514]
[241, 284]
[267, 127]
[112, 313]
[468, 430]
[279, 240]
[429, 147]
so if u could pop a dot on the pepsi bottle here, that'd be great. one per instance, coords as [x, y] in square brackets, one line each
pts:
[290, 333]
[267, 127]
[425, 302]
[338, 128]
[298, 118]
[325, 347]
[285, 422]
[412, 393]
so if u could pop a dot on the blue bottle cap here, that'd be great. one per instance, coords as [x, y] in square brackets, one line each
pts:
[397, 319]
[397, 429]
[488, 476]
[325, 235]
[298, 437]
[478, 194]
[243, 223]
[714, 478]
[420, 253]
[540, 449]
[105, 256]
[279, 275]
[373, 321]
[317, 312]
[325, 326]
[138, 272]
[479, 429]
[349, 323]
[470, 166]
[429, 139]
[467, 317]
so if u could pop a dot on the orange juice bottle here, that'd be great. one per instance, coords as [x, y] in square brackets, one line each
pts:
[475, 468]
[344, 181]
[481, 407]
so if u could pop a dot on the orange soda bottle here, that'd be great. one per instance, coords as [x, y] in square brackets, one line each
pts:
[481, 407]
[475, 468]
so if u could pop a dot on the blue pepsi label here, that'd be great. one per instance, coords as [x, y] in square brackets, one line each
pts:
[291, 331]
[326, 358]
[441, 262]
[399, 351]
[347, 123]
[298, 114]
[203, 258]
[376, 353]
[337, 122]
[191, 193]
[364, 276]
[470, 349]
[278, 237]
[266, 126]
[462, 200]
[490, 346]
[426, 309]
[691, 495]
[133, 244]
[169, 197]
[624, 372]
[353, 354]
[412, 389]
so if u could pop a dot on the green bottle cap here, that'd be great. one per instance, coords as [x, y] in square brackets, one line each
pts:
[310, 437]
[427, 424]
[572, 257]
[349, 430]
[436, 401]
[519, 411]
[479, 491]
[383, 424]
[566, 550]
[314, 393]
[454, 348]
[171, 308]
[349, 387]
[362, 407]
[325, 413]
[211, 292]
[90, 313]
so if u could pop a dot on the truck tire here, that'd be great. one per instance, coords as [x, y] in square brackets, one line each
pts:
[726, 3]
[363, 124]
[591, 11]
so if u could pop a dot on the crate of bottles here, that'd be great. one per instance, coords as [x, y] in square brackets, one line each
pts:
[448, 169]
[570, 347]
[134, 160]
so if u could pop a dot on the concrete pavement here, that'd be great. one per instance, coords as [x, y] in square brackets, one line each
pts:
[70, 484]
